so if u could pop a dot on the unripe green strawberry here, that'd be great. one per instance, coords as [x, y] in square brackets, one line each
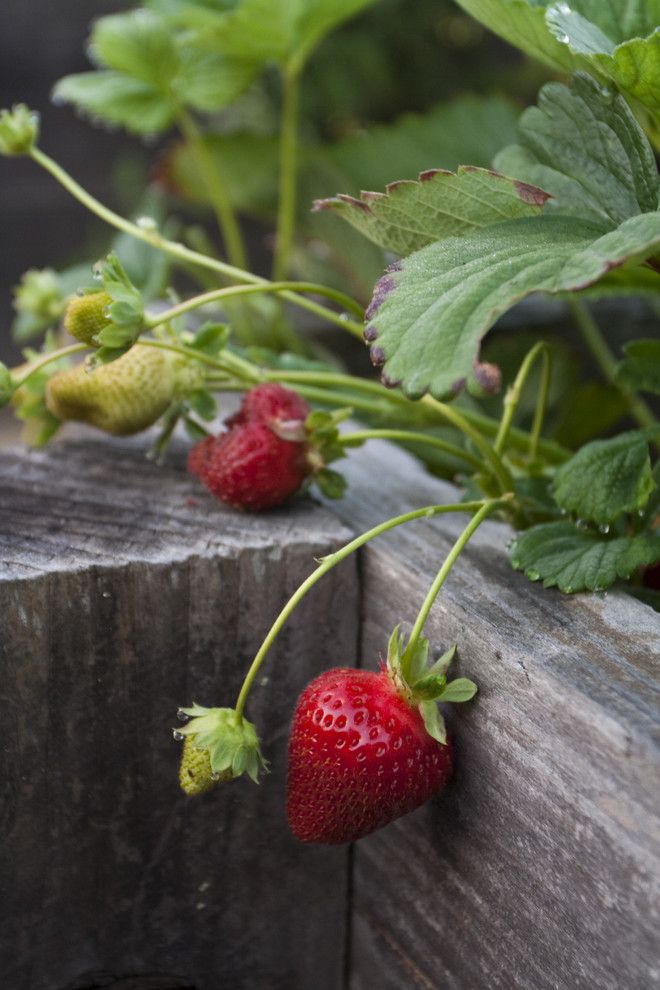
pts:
[85, 317]
[195, 774]
[122, 397]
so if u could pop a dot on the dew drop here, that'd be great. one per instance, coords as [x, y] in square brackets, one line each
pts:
[146, 223]
[182, 717]
[604, 529]
[178, 735]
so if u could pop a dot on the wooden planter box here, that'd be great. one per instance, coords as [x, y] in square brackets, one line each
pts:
[121, 597]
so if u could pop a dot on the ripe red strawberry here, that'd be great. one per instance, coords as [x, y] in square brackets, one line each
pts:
[199, 455]
[270, 403]
[359, 757]
[250, 467]
[366, 748]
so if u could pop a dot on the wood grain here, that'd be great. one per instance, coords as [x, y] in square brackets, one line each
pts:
[538, 867]
[122, 596]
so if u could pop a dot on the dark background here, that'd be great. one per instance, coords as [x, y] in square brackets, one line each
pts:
[40, 224]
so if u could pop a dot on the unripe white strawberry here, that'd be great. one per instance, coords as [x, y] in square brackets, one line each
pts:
[122, 397]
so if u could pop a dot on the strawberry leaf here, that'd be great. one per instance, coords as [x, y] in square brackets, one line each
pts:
[618, 39]
[607, 478]
[585, 147]
[411, 214]
[261, 30]
[573, 559]
[640, 369]
[148, 72]
[430, 311]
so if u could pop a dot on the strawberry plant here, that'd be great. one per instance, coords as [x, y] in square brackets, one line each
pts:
[467, 211]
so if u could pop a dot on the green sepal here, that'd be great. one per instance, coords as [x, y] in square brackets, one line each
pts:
[19, 130]
[126, 311]
[331, 483]
[114, 336]
[194, 430]
[106, 355]
[211, 339]
[461, 689]
[429, 688]
[202, 402]
[323, 423]
[443, 663]
[231, 741]
[434, 723]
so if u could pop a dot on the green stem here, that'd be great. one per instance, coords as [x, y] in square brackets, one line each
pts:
[228, 363]
[48, 359]
[513, 395]
[217, 295]
[409, 436]
[216, 188]
[484, 511]
[327, 564]
[306, 383]
[288, 170]
[492, 459]
[595, 341]
[178, 250]
[520, 440]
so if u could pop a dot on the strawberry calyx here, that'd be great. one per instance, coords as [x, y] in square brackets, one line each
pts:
[323, 445]
[231, 742]
[423, 684]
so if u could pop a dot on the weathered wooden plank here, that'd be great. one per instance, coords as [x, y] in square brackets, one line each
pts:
[537, 868]
[121, 598]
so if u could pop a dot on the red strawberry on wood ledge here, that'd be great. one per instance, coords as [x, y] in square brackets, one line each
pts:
[367, 747]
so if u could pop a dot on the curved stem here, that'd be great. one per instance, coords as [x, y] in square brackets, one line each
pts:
[599, 348]
[288, 169]
[541, 404]
[47, 359]
[216, 189]
[519, 439]
[178, 250]
[326, 564]
[216, 295]
[484, 511]
[411, 436]
[492, 459]
[512, 399]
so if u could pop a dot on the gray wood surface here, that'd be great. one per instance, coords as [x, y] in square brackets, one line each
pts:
[121, 597]
[538, 867]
